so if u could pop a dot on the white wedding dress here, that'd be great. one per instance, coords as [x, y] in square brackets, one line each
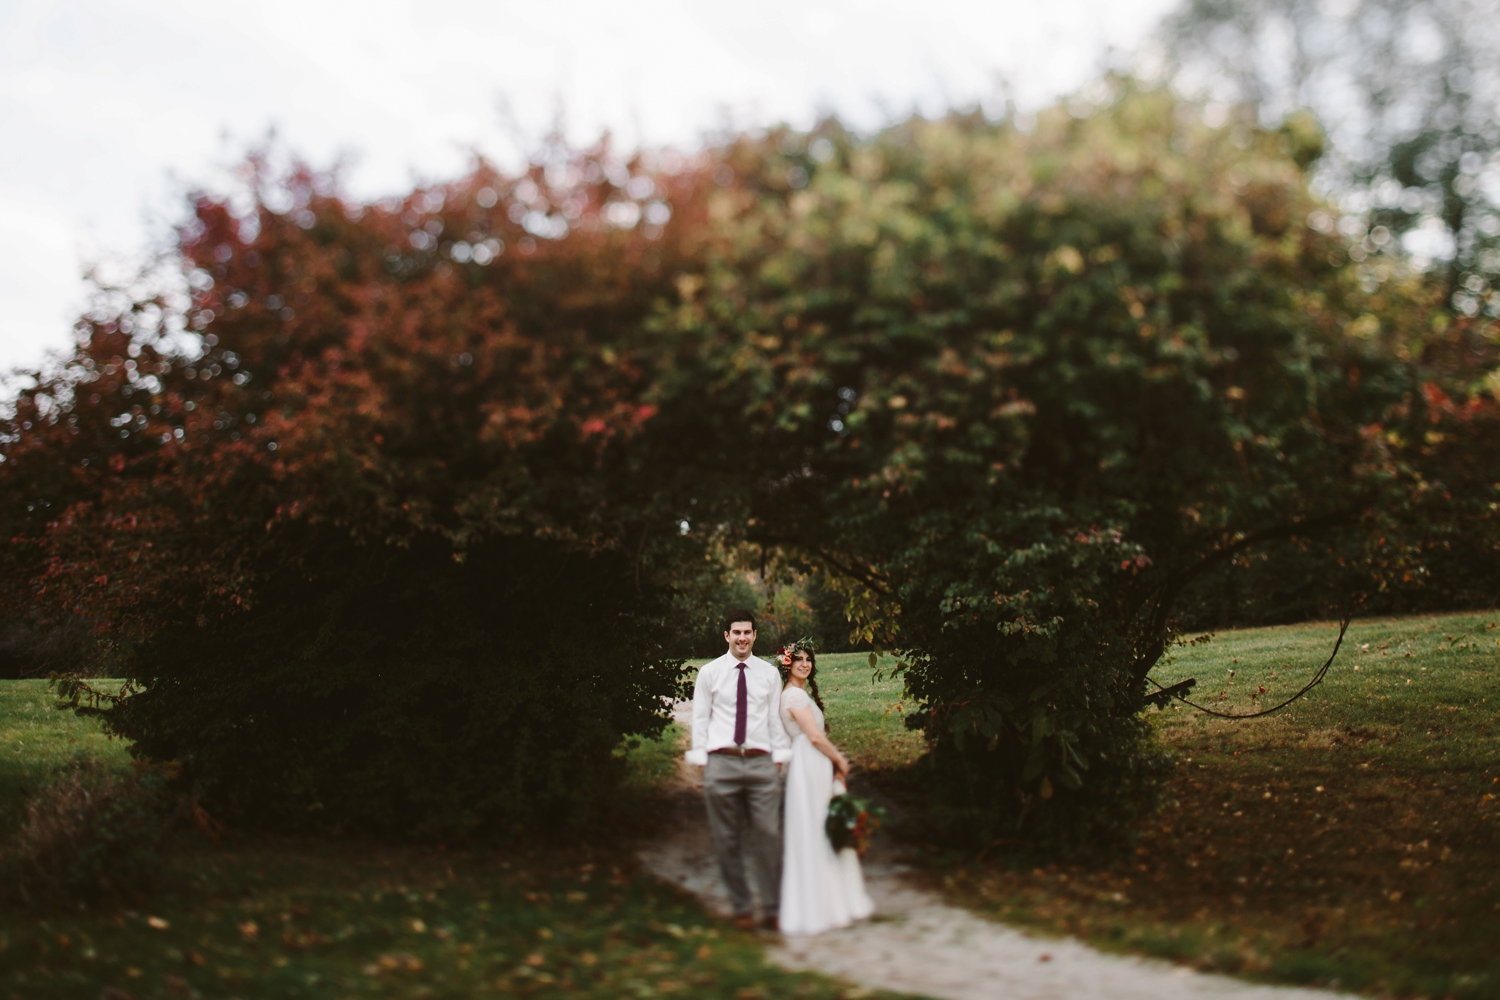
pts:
[820, 890]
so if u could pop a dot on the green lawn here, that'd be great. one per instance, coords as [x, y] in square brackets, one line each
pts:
[1385, 880]
[1352, 840]
[35, 738]
[864, 710]
[280, 920]
[269, 918]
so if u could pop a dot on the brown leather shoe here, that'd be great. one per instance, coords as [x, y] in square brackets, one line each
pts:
[744, 922]
[772, 924]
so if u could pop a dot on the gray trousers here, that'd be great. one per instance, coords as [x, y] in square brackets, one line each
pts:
[743, 795]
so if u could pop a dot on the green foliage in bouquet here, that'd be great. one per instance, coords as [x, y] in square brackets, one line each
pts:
[852, 822]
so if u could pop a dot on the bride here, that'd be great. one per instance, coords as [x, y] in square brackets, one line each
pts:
[820, 890]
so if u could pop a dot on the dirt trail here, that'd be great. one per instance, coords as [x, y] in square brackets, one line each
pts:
[918, 944]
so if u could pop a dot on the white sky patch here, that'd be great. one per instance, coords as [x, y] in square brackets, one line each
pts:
[111, 109]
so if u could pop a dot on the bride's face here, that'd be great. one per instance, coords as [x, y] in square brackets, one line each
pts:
[802, 666]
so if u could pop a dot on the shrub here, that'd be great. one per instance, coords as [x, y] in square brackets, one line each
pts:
[980, 795]
[401, 693]
[90, 836]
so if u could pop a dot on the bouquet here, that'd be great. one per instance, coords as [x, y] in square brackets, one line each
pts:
[851, 822]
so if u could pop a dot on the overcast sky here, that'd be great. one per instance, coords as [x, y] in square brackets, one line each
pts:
[110, 109]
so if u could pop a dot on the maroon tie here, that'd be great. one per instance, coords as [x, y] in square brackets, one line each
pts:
[741, 707]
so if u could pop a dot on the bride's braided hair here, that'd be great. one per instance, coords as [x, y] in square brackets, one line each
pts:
[805, 645]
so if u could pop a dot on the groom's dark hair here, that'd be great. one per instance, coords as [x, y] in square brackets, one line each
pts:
[739, 615]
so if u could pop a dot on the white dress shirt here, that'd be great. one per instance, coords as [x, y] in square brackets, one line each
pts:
[714, 699]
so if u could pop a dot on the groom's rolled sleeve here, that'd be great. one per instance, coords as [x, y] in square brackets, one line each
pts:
[702, 707]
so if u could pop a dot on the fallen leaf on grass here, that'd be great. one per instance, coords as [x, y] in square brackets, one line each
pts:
[293, 939]
[392, 961]
[158, 923]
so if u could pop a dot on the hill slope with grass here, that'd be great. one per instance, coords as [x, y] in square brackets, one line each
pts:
[1351, 840]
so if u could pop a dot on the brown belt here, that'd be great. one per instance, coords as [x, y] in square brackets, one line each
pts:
[741, 752]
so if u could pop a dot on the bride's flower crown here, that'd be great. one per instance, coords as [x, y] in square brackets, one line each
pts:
[786, 654]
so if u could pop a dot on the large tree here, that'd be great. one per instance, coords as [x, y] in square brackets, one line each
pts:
[1022, 388]
[405, 540]
[376, 545]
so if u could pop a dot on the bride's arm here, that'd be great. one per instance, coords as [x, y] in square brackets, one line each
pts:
[819, 739]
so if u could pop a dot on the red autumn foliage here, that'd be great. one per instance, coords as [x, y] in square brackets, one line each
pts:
[358, 376]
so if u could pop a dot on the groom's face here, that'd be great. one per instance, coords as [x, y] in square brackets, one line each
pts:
[741, 638]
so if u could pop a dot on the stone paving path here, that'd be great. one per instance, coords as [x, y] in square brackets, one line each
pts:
[918, 944]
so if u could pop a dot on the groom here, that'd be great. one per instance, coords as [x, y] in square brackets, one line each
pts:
[738, 740]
